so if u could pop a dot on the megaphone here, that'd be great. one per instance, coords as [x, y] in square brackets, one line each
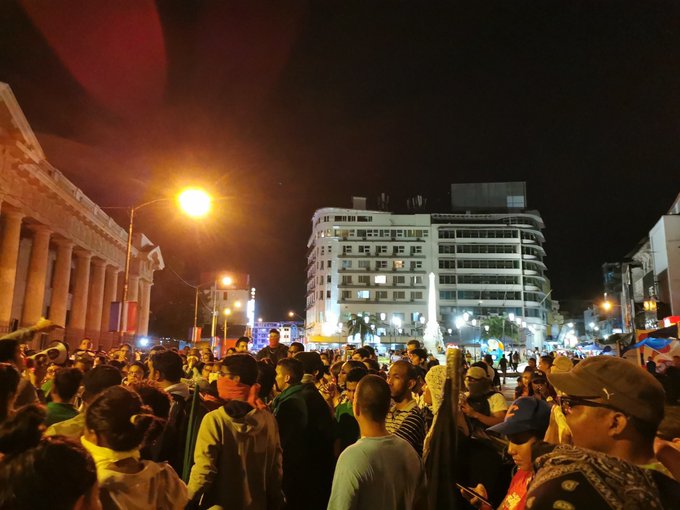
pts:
[56, 352]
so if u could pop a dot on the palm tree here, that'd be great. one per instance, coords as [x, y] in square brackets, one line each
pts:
[358, 325]
[500, 328]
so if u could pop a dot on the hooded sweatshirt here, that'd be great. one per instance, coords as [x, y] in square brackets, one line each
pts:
[237, 459]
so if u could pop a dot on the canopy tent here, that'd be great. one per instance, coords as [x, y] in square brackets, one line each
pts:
[656, 348]
[589, 348]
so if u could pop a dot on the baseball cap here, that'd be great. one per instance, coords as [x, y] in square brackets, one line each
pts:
[561, 364]
[538, 375]
[623, 385]
[524, 414]
[477, 373]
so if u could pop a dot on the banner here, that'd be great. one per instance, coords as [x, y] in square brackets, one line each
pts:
[115, 316]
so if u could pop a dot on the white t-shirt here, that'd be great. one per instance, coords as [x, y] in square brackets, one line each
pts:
[497, 403]
[378, 472]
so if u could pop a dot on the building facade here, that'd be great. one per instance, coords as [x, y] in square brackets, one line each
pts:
[290, 332]
[650, 274]
[375, 264]
[61, 256]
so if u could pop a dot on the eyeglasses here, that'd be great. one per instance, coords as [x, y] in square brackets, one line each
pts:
[567, 403]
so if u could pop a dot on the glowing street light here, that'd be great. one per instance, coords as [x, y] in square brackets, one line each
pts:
[606, 306]
[195, 202]
[237, 304]
[227, 280]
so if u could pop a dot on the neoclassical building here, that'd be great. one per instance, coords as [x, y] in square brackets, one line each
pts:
[61, 256]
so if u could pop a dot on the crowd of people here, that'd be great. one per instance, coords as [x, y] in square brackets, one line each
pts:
[287, 428]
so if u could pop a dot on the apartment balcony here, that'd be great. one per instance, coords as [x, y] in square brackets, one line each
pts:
[530, 272]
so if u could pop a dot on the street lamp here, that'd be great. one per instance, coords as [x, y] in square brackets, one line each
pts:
[227, 313]
[194, 202]
[226, 281]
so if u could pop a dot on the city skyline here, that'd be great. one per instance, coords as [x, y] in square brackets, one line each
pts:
[301, 106]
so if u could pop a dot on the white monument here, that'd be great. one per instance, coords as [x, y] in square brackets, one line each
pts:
[432, 338]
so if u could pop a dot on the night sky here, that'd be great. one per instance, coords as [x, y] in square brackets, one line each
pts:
[284, 107]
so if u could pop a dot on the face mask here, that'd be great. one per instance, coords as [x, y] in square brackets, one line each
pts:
[477, 388]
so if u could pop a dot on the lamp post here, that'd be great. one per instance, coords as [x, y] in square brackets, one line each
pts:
[226, 282]
[227, 313]
[194, 202]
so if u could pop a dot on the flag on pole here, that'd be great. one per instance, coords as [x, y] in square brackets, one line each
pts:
[440, 462]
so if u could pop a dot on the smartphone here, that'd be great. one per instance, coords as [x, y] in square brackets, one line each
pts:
[469, 491]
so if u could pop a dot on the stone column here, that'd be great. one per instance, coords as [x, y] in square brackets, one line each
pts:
[95, 298]
[34, 298]
[60, 282]
[143, 306]
[9, 252]
[80, 291]
[133, 288]
[110, 290]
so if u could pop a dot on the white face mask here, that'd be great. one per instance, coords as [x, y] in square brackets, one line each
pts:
[213, 377]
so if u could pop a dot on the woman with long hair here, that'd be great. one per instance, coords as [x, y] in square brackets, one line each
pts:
[117, 424]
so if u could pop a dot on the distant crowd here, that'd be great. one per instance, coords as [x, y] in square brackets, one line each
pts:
[286, 428]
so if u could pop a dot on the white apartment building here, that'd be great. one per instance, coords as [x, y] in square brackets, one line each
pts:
[376, 263]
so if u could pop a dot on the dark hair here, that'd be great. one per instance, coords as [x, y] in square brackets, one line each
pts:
[274, 330]
[488, 359]
[157, 399]
[646, 430]
[414, 342]
[363, 353]
[293, 368]
[669, 428]
[116, 364]
[411, 374]
[9, 382]
[421, 353]
[432, 363]
[22, 430]
[300, 347]
[370, 349]
[530, 359]
[66, 382]
[548, 359]
[372, 364]
[8, 350]
[141, 365]
[266, 374]
[243, 339]
[353, 363]
[311, 362]
[356, 375]
[372, 397]
[336, 368]
[118, 415]
[37, 478]
[211, 356]
[169, 365]
[98, 379]
[242, 365]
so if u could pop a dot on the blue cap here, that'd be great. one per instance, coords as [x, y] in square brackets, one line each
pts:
[525, 414]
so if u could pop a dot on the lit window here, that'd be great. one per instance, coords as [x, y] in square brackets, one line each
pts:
[380, 279]
[398, 264]
[362, 294]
